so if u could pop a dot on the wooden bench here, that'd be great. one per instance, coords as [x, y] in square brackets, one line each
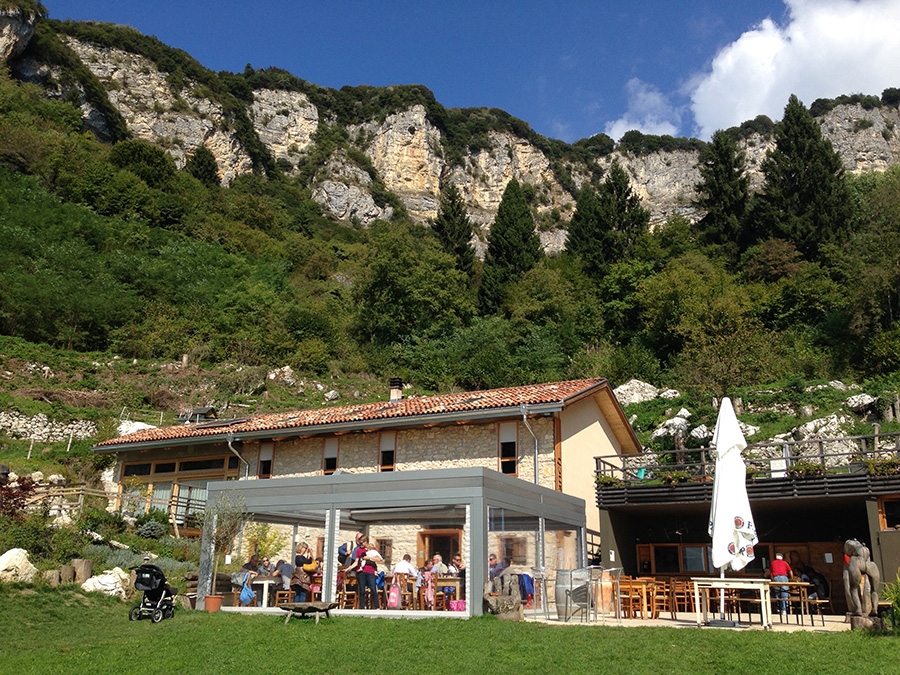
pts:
[304, 608]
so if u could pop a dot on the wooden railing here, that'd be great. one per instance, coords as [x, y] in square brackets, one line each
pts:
[70, 499]
[847, 454]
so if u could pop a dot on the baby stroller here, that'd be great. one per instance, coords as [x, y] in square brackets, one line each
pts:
[158, 601]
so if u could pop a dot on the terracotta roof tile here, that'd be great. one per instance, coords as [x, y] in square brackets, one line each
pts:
[410, 408]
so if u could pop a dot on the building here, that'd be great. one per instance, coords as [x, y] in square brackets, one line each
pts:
[546, 434]
[807, 498]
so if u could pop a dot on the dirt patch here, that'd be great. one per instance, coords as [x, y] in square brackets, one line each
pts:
[69, 397]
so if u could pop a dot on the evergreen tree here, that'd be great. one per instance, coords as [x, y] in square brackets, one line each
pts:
[606, 226]
[202, 166]
[454, 230]
[723, 192]
[513, 247]
[804, 199]
[588, 238]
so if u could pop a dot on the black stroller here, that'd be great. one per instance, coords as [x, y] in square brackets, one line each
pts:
[158, 601]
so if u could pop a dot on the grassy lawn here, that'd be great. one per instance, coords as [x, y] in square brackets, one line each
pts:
[64, 630]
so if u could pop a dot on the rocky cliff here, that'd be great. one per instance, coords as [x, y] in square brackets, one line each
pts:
[404, 148]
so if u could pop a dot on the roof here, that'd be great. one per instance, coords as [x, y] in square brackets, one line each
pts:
[444, 408]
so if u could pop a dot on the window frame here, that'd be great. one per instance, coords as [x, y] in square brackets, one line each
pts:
[508, 435]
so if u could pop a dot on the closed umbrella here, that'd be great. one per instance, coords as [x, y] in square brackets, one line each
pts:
[731, 524]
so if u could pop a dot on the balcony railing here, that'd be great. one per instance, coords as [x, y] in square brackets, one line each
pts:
[848, 454]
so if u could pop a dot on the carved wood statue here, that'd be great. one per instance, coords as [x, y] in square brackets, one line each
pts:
[858, 564]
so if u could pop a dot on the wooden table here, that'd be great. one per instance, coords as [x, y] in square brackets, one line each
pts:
[802, 590]
[304, 608]
[447, 582]
[644, 585]
[702, 585]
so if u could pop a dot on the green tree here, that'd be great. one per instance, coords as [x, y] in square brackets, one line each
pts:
[622, 212]
[804, 198]
[588, 238]
[454, 230]
[407, 287]
[202, 166]
[723, 192]
[513, 248]
[150, 163]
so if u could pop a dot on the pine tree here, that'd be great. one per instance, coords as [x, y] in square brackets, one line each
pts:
[804, 199]
[513, 247]
[202, 166]
[606, 225]
[723, 192]
[454, 230]
[624, 216]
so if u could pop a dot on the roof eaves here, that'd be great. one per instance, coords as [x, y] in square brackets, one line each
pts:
[321, 429]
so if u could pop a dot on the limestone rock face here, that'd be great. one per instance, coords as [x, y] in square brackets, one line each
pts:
[343, 189]
[143, 97]
[285, 122]
[16, 30]
[635, 391]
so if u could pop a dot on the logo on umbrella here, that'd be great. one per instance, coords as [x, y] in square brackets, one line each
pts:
[731, 548]
[749, 552]
[738, 522]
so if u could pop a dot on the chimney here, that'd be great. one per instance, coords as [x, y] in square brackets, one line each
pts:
[396, 389]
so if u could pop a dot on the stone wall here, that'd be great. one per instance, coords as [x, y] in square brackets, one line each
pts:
[39, 428]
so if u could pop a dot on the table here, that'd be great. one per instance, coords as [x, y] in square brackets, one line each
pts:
[304, 608]
[760, 586]
[266, 582]
[801, 588]
[643, 585]
[446, 582]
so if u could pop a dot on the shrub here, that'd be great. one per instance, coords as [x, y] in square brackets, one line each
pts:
[153, 515]
[151, 530]
[102, 521]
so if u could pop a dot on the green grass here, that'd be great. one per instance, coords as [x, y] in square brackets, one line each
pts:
[62, 630]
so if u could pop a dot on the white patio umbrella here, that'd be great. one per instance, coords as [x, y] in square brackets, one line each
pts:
[731, 524]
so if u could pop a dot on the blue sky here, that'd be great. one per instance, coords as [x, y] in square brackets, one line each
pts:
[570, 69]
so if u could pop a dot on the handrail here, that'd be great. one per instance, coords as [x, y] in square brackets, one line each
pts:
[770, 459]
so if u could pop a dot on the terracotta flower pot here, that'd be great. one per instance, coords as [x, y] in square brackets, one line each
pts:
[213, 603]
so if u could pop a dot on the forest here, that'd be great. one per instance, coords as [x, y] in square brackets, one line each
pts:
[108, 247]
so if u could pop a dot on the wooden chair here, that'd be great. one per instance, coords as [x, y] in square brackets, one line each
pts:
[348, 593]
[407, 595]
[283, 596]
[682, 593]
[819, 603]
[630, 598]
[661, 599]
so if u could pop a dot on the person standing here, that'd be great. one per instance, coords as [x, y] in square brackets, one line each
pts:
[780, 570]
[368, 556]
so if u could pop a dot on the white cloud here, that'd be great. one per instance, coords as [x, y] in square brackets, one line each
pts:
[649, 111]
[827, 48]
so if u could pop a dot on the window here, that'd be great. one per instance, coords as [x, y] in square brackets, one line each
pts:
[509, 455]
[386, 451]
[264, 465]
[330, 456]
[890, 514]
[164, 467]
[136, 470]
[202, 464]
[513, 549]
[693, 559]
[386, 549]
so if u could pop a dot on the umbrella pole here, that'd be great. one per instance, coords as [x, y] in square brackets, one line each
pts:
[722, 594]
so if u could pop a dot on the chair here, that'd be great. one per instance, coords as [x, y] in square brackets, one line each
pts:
[407, 596]
[348, 593]
[682, 593]
[630, 598]
[661, 599]
[819, 603]
[283, 596]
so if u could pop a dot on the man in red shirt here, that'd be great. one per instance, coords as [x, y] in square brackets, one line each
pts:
[780, 570]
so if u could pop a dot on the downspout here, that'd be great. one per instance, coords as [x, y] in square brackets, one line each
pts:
[230, 438]
[540, 535]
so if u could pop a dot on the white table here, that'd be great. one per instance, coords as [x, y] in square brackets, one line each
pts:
[265, 582]
[760, 586]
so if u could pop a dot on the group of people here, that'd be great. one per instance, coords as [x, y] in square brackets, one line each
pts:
[781, 570]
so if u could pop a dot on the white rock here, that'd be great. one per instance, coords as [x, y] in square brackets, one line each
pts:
[684, 413]
[332, 395]
[37, 476]
[131, 426]
[62, 520]
[670, 393]
[284, 374]
[748, 429]
[859, 402]
[111, 582]
[837, 384]
[701, 433]
[15, 566]
[824, 427]
[670, 428]
[635, 391]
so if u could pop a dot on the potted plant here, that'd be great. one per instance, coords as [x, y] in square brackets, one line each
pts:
[224, 518]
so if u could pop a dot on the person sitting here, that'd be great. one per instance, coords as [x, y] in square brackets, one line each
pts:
[285, 570]
[251, 569]
[495, 569]
[266, 568]
[405, 566]
[438, 566]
